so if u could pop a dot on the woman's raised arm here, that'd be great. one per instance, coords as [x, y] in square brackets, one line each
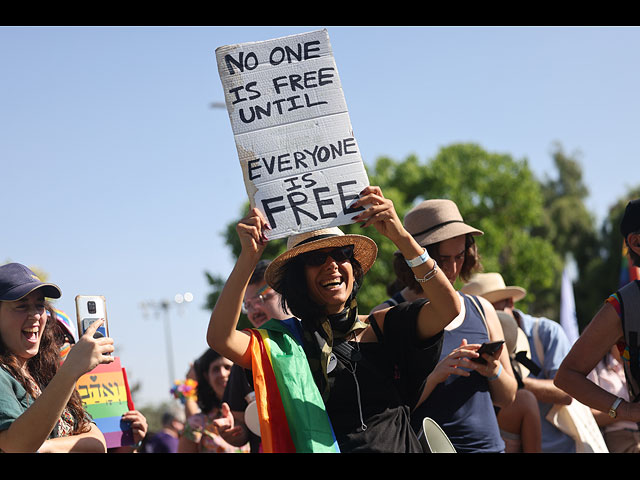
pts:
[444, 302]
[222, 335]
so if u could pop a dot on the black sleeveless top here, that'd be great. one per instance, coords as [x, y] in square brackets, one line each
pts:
[390, 377]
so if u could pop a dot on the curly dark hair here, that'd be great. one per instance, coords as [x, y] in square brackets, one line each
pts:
[43, 366]
[471, 263]
[207, 398]
[295, 294]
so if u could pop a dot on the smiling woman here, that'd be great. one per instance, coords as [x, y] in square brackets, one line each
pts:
[40, 409]
[330, 379]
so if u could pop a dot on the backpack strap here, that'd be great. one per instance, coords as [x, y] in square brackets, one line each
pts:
[629, 297]
[478, 305]
[376, 329]
[537, 342]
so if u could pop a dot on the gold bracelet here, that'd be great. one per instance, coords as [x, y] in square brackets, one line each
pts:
[429, 275]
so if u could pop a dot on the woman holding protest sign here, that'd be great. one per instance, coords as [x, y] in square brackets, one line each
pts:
[335, 380]
[40, 409]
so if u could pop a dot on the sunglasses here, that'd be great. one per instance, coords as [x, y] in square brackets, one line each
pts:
[339, 254]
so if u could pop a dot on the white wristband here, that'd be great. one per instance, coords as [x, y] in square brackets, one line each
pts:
[496, 375]
[418, 260]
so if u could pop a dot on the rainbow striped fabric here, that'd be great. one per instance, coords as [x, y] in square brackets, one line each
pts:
[63, 318]
[292, 414]
[106, 396]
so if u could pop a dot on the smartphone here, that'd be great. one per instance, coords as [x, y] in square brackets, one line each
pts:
[90, 308]
[488, 347]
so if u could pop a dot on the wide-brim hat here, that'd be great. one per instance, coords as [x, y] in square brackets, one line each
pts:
[365, 250]
[515, 340]
[17, 281]
[492, 287]
[436, 220]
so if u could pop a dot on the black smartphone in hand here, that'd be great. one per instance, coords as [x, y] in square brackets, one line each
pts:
[488, 347]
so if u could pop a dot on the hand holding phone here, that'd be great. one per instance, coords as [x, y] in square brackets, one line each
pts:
[488, 347]
[89, 352]
[89, 309]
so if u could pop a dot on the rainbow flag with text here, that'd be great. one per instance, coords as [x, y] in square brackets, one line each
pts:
[106, 397]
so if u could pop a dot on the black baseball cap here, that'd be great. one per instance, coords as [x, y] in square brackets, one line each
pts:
[631, 219]
[16, 281]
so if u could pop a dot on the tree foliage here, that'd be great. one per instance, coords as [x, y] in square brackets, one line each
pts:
[494, 192]
[500, 196]
[531, 226]
[600, 272]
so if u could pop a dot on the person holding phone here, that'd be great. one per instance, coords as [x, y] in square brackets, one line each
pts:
[553, 345]
[40, 409]
[336, 372]
[460, 394]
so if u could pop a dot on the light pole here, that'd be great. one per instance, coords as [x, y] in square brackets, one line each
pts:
[165, 307]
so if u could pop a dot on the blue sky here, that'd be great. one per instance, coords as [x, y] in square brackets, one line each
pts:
[118, 177]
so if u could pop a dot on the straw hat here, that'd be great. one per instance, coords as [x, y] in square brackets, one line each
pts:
[491, 286]
[365, 250]
[515, 340]
[436, 220]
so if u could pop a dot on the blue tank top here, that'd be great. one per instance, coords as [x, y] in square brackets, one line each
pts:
[462, 406]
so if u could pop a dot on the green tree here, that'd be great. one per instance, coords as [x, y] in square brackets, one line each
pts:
[567, 223]
[600, 274]
[500, 196]
[494, 192]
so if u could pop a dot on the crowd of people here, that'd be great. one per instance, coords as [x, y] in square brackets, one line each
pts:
[316, 374]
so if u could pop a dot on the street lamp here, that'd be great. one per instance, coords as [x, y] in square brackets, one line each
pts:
[165, 305]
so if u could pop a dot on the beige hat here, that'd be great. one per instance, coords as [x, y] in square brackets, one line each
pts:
[433, 221]
[365, 250]
[515, 340]
[491, 286]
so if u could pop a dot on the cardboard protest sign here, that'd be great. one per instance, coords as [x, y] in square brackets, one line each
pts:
[300, 160]
[106, 397]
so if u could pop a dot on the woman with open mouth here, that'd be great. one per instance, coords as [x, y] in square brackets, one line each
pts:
[329, 379]
[40, 409]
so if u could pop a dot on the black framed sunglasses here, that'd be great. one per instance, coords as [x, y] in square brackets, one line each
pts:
[339, 254]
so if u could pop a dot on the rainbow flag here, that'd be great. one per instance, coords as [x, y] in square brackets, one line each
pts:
[105, 394]
[64, 319]
[292, 414]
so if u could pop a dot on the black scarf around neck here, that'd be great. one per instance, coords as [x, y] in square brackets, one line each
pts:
[319, 337]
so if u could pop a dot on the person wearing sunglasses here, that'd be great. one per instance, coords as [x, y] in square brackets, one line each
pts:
[336, 380]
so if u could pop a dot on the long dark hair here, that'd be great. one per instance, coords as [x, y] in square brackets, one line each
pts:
[207, 398]
[43, 366]
[295, 293]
